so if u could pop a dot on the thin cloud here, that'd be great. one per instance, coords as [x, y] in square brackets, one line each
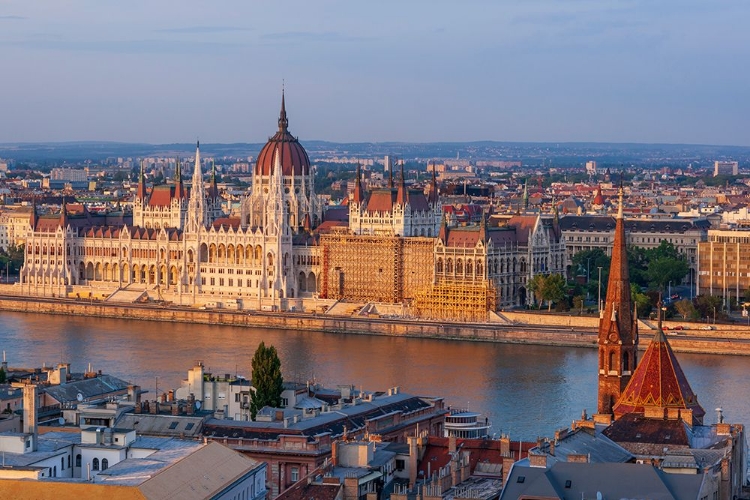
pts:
[12, 18]
[123, 47]
[308, 36]
[204, 29]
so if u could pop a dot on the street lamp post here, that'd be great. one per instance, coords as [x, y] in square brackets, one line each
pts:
[669, 290]
[714, 315]
[588, 276]
[599, 303]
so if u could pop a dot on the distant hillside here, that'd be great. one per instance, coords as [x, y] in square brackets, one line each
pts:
[541, 153]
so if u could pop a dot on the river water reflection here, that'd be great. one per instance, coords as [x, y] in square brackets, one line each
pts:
[526, 391]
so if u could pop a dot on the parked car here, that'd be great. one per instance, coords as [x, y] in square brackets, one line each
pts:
[708, 327]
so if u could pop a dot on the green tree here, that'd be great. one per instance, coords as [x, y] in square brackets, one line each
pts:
[536, 286]
[637, 265]
[708, 305]
[587, 261]
[550, 288]
[685, 308]
[267, 380]
[3, 377]
[641, 300]
[578, 303]
[662, 270]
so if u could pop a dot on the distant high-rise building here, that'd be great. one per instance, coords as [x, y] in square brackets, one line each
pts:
[726, 168]
[591, 167]
[387, 164]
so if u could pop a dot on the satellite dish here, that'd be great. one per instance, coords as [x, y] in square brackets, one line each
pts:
[79, 397]
[61, 421]
[197, 405]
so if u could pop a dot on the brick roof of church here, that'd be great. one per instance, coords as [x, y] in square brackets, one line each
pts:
[658, 381]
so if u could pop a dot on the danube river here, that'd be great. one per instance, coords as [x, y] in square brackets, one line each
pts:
[525, 390]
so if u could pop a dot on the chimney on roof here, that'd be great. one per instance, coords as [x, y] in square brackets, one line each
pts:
[134, 393]
[30, 413]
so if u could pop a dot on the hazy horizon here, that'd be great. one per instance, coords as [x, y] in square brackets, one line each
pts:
[535, 71]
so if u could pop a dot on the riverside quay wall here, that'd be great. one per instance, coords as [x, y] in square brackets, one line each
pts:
[553, 330]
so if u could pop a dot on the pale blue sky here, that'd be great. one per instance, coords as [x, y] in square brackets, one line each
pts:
[421, 70]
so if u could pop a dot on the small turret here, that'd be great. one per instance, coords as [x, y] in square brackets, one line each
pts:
[359, 194]
[63, 216]
[401, 195]
[483, 228]
[433, 193]
[141, 193]
[34, 218]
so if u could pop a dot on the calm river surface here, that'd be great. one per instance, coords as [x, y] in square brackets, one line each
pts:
[526, 391]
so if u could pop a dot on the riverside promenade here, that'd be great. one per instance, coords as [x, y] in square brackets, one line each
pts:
[507, 327]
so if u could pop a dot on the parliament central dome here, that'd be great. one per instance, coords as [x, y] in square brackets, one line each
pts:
[292, 155]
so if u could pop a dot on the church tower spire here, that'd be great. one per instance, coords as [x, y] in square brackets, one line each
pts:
[196, 204]
[618, 327]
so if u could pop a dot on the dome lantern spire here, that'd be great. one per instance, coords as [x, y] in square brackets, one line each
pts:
[283, 122]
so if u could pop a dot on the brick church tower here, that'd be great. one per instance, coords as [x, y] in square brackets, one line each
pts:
[618, 326]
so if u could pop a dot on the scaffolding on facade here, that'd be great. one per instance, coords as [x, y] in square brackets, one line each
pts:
[366, 268]
[456, 301]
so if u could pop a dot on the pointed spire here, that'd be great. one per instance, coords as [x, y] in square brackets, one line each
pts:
[526, 194]
[178, 190]
[283, 121]
[555, 211]
[433, 194]
[620, 194]
[443, 234]
[401, 195]
[214, 189]
[659, 336]
[390, 177]
[618, 330]
[63, 215]
[359, 194]
[483, 228]
[141, 193]
[196, 202]
[33, 219]
[307, 224]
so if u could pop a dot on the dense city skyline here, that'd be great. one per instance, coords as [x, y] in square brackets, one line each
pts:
[415, 72]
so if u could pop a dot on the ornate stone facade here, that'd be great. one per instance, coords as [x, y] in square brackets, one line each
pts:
[181, 243]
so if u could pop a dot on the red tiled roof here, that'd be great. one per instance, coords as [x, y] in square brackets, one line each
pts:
[328, 226]
[635, 428]
[480, 450]
[658, 381]
[381, 200]
[233, 222]
[304, 491]
[161, 196]
[524, 225]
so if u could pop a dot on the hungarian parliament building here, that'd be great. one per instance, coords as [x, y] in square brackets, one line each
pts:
[281, 251]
